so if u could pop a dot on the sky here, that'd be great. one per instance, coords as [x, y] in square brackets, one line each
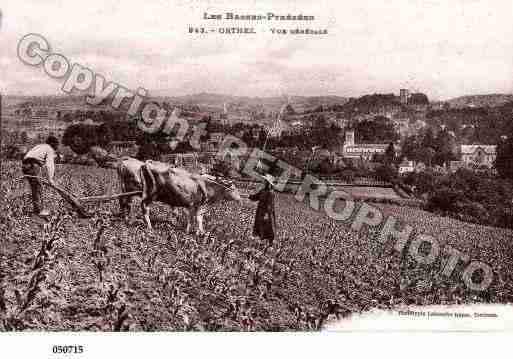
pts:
[442, 48]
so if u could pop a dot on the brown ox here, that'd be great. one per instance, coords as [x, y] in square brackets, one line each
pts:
[174, 186]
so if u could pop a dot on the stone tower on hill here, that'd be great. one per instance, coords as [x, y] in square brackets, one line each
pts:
[404, 95]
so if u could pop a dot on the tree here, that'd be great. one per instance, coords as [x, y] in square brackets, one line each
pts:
[504, 159]
[319, 122]
[208, 129]
[148, 147]
[428, 147]
[289, 110]
[386, 173]
[104, 135]
[123, 130]
[389, 157]
[429, 139]
[221, 168]
[378, 130]
[262, 137]
[418, 99]
[184, 147]
[90, 114]
[410, 148]
[445, 148]
[247, 138]
[429, 154]
[80, 137]
[333, 136]
[79, 115]
[24, 137]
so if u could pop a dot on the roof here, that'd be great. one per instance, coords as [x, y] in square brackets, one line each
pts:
[368, 145]
[470, 149]
[406, 163]
[323, 153]
[116, 143]
[217, 136]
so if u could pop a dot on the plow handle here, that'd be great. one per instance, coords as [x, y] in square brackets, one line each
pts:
[75, 202]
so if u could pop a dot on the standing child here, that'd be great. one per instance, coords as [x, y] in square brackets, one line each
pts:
[265, 218]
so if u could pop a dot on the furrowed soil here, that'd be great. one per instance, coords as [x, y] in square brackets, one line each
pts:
[105, 273]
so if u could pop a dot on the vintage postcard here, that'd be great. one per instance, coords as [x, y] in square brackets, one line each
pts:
[244, 166]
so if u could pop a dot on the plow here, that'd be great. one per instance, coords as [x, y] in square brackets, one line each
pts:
[78, 203]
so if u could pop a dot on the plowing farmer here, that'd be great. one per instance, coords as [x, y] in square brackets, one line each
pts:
[265, 218]
[42, 155]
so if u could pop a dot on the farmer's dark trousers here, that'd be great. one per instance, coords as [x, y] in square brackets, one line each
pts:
[33, 168]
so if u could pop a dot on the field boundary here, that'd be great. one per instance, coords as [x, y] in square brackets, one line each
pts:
[401, 201]
[329, 183]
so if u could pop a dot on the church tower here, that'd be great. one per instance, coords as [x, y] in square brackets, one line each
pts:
[404, 95]
[349, 138]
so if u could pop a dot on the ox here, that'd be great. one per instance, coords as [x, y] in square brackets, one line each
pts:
[129, 175]
[174, 186]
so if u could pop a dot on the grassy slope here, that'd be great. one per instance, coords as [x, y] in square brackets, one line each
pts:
[167, 280]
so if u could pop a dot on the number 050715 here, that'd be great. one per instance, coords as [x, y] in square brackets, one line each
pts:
[67, 349]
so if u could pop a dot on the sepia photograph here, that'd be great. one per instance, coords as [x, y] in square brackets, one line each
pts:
[240, 166]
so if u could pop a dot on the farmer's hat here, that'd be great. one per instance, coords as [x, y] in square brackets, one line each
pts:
[53, 141]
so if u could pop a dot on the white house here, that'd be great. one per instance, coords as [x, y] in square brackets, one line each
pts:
[478, 155]
[363, 151]
[406, 167]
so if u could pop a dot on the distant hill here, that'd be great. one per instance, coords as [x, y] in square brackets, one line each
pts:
[204, 100]
[270, 103]
[490, 100]
[15, 100]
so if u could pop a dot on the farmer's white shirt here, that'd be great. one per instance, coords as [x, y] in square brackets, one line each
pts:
[43, 153]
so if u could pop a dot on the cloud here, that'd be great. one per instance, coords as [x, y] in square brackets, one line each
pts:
[443, 48]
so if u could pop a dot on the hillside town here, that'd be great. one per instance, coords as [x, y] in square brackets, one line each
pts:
[362, 128]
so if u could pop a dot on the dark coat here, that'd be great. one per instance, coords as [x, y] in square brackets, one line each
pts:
[265, 218]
